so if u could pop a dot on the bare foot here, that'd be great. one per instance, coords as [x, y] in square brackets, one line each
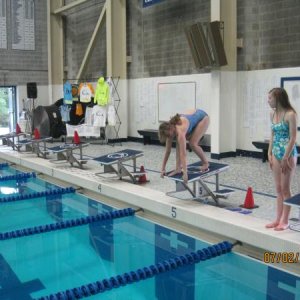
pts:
[204, 167]
[281, 227]
[272, 225]
[175, 172]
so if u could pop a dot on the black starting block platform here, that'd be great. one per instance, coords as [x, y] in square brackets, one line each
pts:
[12, 139]
[199, 188]
[37, 146]
[65, 154]
[118, 159]
[294, 201]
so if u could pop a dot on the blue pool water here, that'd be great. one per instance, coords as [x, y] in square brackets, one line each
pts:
[5, 170]
[42, 264]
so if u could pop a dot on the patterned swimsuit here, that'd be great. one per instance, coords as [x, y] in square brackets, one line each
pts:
[281, 139]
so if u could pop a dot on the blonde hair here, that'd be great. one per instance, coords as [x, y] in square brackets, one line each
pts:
[164, 128]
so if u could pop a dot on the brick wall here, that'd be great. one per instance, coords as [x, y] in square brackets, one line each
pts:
[80, 23]
[156, 40]
[271, 35]
[157, 44]
[155, 36]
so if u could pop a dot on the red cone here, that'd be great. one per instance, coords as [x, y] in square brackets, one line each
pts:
[36, 134]
[76, 138]
[18, 129]
[249, 200]
[142, 178]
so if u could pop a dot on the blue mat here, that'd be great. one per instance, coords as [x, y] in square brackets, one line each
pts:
[65, 147]
[194, 171]
[24, 142]
[116, 156]
[295, 200]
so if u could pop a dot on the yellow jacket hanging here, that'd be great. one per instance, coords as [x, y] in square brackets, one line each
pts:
[102, 92]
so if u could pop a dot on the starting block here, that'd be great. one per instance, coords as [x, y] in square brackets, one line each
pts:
[118, 159]
[65, 154]
[37, 146]
[12, 139]
[26, 143]
[199, 188]
[294, 201]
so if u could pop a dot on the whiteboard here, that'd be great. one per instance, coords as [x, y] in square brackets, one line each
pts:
[175, 97]
[292, 87]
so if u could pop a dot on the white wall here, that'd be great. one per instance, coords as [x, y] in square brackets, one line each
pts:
[56, 92]
[223, 121]
[228, 113]
[139, 102]
[252, 106]
[143, 99]
[42, 96]
[251, 111]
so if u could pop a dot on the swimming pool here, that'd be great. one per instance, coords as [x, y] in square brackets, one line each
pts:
[46, 263]
[5, 170]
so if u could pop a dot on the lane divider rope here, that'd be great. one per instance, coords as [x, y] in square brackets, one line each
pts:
[50, 192]
[66, 224]
[3, 166]
[117, 281]
[18, 176]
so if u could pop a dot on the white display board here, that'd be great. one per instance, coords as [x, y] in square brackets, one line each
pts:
[292, 87]
[175, 97]
[22, 24]
[3, 31]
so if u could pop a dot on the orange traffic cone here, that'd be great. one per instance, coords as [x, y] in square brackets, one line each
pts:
[36, 134]
[249, 200]
[142, 178]
[76, 138]
[18, 129]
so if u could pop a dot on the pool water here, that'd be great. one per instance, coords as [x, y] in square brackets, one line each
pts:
[5, 170]
[47, 263]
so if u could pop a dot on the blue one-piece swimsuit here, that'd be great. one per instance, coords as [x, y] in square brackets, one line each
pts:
[281, 139]
[194, 119]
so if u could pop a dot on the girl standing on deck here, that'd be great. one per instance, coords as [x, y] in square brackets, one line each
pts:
[282, 153]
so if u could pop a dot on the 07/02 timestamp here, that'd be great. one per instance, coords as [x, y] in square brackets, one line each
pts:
[281, 257]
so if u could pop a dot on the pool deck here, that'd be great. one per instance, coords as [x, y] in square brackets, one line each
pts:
[248, 229]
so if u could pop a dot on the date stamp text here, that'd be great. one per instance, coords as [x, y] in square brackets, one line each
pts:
[281, 257]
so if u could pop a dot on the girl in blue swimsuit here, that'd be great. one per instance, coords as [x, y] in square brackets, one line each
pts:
[282, 152]
[190, 126]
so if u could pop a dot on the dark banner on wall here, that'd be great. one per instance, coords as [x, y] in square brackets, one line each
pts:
[147, 3]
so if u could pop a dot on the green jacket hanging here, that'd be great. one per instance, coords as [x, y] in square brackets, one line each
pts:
[102, 92]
